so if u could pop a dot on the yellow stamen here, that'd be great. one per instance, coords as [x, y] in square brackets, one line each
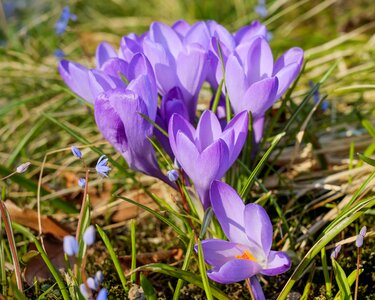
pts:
[246, 255]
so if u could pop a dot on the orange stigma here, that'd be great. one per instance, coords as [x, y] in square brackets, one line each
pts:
[246, 255]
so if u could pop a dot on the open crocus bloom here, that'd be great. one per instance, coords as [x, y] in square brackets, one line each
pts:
[208, 152]
[249, 231]
[254, 82]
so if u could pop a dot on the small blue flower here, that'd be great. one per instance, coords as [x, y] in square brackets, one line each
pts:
[359, 241]
[62, 23]
[102, 295]
[261, 9]
[89, 235]
[363, 231]
[172, 175]
[101, 166]
[82, 182]
[59, 54]
[76, 152]
[70, 245]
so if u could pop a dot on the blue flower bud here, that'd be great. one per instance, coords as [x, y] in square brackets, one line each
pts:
[82, 182]
[173, 175]
[102, 295]
[359, 241]
[70, 245]
[23, 168]
[76, 152]
[83, 290]
[89, 235]
[92, 283]
[335, 252]
[99, 277]
[363, 231]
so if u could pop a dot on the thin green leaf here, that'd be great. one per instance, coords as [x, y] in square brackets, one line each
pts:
[341, 280]
[366, 159]
[351, 279]
[203, 271]
[148, 289]
[184, 275]
[134, 251]
[113, 256]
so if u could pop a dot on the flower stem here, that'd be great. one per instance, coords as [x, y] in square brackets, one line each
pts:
[248, 284]
[357, 274]
[83, 201]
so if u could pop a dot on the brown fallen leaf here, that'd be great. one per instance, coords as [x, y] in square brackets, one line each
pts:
[37, 269]
[29, 218]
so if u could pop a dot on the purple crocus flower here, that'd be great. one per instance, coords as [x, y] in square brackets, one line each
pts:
[254, 82]
[88, 84]
[176, 64]
[248, 249]
[208, 152]
[118, 116]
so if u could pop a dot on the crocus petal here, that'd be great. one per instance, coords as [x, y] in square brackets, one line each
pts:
[181, 27]
[166, 36]
[233, 271]
[100, 82]
[129, 47]
[104, 52]
[256, 288]
[218, 252]
[115, 67]
[239, 126]
[229, 210]
[76, 78]
[259, 61]
[258, 125]
[291, 56]
[259, 97]
[246, 33]
[235, 81]
[139, 65]
[199, 34]
[286, 76]
[178, 123]
[109, 123]
[208, 130]
[278, 262]
[185, 152]
[258, 227]
[191, 71]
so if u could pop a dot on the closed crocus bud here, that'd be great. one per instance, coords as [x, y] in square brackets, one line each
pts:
[76, 152]
[89, 235]
[92, 283]
[173, 175]
[102, 295]
[70, 245]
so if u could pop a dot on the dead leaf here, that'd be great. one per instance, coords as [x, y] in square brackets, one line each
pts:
[29, 218]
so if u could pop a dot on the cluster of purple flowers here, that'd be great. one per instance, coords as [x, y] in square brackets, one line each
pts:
[173, 62]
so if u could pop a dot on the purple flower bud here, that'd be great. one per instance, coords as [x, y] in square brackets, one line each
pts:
[101, 166]
[173, 175]
[59, 54]
[99, 277]
[23, 168]
[76, 152]
[335, 252]
[363, 231]
[83, 290]
[359, 241]
[102, 295]
[70, 245]
[82, 182]
[89, 235]
[92, 283]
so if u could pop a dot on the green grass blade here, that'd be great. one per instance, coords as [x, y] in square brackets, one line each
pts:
[113, 256]
[184, 275]
[203, 271]
[134, 251]
[341, 280]
[148, 289]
